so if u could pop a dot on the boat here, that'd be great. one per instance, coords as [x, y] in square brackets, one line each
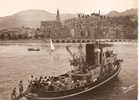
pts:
[33, 49]
[99, 66]
[51, 45]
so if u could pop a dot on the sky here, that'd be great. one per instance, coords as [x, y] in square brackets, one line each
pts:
[8, 7]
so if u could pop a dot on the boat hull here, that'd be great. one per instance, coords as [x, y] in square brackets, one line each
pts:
[78, 91]
[33, 49]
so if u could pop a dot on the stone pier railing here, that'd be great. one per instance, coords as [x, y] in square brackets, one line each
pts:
[89, 40]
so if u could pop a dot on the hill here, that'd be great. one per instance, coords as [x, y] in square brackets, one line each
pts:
[129, 12]
[30, 18]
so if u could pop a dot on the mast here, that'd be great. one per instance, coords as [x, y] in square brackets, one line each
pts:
[69, 51]
[98, 26]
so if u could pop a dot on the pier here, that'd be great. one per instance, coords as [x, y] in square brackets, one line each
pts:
[89, 40]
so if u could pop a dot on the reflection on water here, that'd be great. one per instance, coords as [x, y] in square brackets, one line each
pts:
[16, 63]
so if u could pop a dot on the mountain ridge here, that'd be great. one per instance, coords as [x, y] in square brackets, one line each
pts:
[128, 12]
[30, 18]
[33, 17]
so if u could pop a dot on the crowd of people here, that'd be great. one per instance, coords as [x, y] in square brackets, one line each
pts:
[49, 84]
[55, 84]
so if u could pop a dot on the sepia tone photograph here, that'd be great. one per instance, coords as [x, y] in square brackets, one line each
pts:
[68, 50]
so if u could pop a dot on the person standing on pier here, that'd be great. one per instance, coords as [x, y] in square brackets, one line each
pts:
[13, 94]
[21, 88]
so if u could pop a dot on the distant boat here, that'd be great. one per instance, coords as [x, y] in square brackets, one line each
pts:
[51, 45]
[33, 49]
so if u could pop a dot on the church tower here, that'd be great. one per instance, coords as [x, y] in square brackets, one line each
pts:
[58, 16]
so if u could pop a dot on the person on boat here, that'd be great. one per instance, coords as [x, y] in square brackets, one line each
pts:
[68, 82]
[49, 83]
[83, 82]
[62, 84]
[77, 83]
[44, 81]
[36, 82]
[39, 81]
[57, 86]
[72, 84]
[45, 78]
[13, 94]
[50, 86]
[21, 88]
[31, 80]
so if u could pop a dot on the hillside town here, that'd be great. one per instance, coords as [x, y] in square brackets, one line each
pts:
[84, 26]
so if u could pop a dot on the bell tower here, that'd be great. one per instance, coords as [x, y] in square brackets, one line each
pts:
[58, 16]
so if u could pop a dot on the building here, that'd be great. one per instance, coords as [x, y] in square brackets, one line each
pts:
[54, 29]
[85, 26]
[58, 16]
[17, 33]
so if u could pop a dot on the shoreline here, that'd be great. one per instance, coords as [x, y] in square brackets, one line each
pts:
[47, 40]
[21, 41]
[42, 42]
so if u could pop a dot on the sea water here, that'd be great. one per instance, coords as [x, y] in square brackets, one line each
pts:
[17, 63]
